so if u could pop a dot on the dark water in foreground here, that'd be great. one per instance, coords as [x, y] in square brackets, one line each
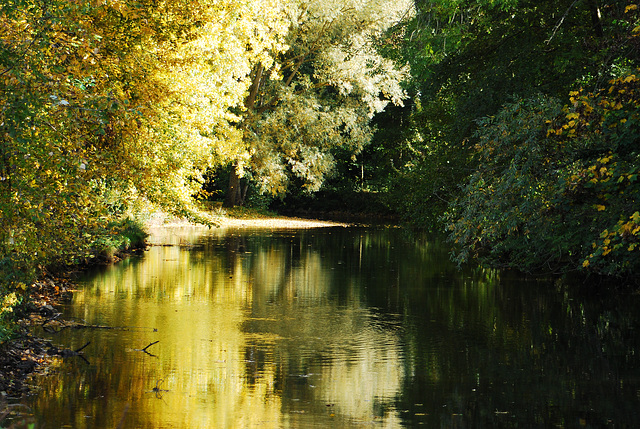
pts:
[336, 327]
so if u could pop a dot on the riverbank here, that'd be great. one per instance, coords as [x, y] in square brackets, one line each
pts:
[27, 355]
[248, 221]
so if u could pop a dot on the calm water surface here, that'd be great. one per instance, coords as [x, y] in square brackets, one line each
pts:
[336, 327]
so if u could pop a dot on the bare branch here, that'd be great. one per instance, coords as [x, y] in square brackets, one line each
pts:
[145, 349]
[561, 21]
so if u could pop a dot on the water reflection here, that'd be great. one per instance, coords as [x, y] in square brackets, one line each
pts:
[335, 327]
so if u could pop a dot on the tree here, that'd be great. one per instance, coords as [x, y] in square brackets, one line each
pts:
[318, 95]
[470, 58]
[557, 186]
[108, 103]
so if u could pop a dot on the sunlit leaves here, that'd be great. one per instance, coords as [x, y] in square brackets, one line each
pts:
[320, 93]
[105, 102]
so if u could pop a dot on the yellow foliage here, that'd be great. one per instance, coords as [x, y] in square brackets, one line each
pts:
[8, 302]
[123, 99]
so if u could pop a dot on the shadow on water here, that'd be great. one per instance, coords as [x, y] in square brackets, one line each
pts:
[337, 327]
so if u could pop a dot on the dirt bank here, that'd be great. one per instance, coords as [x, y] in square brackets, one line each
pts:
[27, 354]
[279, 223]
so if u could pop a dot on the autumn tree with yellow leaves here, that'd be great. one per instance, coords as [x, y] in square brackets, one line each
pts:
[109, 104]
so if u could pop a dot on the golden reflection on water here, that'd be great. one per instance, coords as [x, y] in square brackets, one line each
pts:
[335, 328]
[248, 336]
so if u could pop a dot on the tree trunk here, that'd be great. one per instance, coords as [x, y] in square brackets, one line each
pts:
[596, 21]
[233, 197]
[236, 194]
[243, 194]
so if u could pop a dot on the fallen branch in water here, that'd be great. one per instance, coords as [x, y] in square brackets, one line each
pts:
[145, 349]
[65, 353]
[157, 389]
[53, 326]
[80, 349]
[78, 326]
[64, 325]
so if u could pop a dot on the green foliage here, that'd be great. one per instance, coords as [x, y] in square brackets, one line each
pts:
[502, 205]
[556, 187]
[608, 180]
[468, 59]
[119, 236]
[319, 95]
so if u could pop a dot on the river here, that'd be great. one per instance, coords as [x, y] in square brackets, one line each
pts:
[335, 327]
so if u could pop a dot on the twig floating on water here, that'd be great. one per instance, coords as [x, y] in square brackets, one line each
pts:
[78, 351]
[145, 349]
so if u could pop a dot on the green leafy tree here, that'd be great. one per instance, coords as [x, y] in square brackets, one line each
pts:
[468, 59]
[318, 95]
[557, 187]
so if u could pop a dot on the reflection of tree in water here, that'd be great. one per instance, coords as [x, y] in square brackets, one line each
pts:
[325, 353]
[359, 324]
[255, 359]
[520, 354]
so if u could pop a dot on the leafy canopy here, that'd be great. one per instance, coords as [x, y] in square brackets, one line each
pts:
[107, 105]
[319, 94]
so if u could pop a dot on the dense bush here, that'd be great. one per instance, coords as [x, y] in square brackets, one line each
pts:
[557, 186]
